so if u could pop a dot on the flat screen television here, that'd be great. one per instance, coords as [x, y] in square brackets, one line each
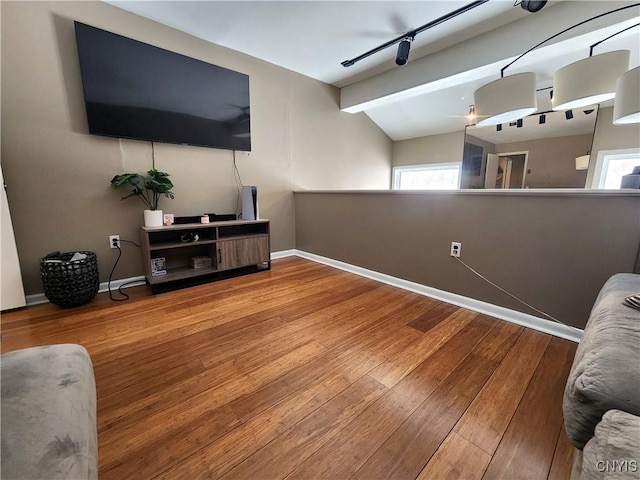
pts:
[138, 91]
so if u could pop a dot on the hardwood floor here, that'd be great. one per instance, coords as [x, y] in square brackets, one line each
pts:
[305, 371]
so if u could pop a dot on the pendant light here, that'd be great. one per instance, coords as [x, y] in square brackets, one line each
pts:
[626, 108]
[589, 81]
[506, 99]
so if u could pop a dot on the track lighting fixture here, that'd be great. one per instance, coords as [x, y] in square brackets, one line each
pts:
[402, 57]
[412, 34]
[533, 6]
[519, 123]
[568, 114]
[542, 119]
[499, 127]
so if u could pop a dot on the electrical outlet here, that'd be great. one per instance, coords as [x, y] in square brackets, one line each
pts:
[114, 241]
[455, 249]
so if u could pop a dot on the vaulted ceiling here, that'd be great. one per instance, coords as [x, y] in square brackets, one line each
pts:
[432, 93]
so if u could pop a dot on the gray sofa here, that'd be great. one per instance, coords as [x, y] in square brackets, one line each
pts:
[602, 396]
[48, 414]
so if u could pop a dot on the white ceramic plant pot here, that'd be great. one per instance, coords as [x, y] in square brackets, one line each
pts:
[153, 218]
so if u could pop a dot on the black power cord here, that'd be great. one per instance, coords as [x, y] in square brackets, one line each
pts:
[126, 297]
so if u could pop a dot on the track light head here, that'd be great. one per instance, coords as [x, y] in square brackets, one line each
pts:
[542, 119]
[499, 127]
[568, 114]
[533, 6]
[519, 123]
[402, 56]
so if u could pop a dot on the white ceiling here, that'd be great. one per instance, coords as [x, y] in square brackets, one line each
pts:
[313, 37]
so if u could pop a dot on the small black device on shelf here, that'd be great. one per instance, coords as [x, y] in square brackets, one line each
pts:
[213, 217]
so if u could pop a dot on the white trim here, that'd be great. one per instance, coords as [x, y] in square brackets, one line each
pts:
[525, 192]
[526, 163]
[495, 311]
[38, 298]
[283, 254]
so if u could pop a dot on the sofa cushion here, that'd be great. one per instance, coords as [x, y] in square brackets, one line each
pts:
[48, 414]
[606, 370]
[614, 451]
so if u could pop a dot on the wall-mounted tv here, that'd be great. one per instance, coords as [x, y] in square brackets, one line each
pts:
[135, 90]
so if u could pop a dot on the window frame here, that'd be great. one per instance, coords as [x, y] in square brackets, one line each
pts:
[395, 177]
[602, 162]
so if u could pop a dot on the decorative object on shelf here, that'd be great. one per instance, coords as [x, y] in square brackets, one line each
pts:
[201, 262]
[188, 237]
[148, 189]
[204, 219]
[158, 266]
[70, 279]
[168, 219]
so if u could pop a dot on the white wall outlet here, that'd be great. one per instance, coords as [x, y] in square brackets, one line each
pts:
[455, 249]
[114, 241]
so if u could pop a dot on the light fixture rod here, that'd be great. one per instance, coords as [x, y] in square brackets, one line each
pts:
[610, 36]
[564, 31]
[412, 33]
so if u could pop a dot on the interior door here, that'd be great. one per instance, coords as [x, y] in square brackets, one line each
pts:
[491, 176]
[11, 289]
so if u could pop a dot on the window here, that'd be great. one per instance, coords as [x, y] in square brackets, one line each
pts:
[437, 176]
[612, 165]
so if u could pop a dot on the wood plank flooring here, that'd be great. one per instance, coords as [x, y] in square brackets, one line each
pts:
[305, 372]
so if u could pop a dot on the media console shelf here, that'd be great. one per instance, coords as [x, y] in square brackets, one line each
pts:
[231, 248]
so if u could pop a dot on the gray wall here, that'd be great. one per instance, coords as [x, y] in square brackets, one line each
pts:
[552, 250]
[443, 148]
[552, 161]
[58, 174]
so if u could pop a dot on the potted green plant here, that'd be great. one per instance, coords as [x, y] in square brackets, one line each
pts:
[148, 188]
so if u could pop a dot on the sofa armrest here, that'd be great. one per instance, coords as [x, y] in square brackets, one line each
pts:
[49, 414]
[614, 451]
[606, 370]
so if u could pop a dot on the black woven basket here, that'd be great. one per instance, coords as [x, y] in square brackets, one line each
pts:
[69, 283]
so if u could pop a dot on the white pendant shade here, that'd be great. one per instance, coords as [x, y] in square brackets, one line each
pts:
[582, 162]
[626, 108]
[506, 99]
[589, 81]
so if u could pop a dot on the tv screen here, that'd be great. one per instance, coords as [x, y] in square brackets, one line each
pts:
[135, 90]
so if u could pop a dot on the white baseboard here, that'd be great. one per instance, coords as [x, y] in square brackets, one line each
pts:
[513, 316]
[283, 254]
[490, 309]
[38, 298]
